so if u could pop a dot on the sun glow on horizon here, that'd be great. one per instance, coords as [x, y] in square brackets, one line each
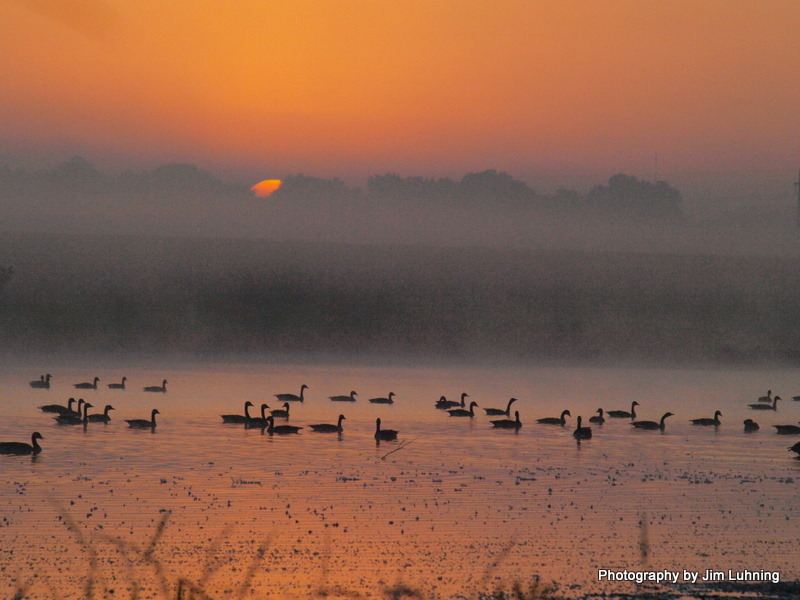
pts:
[265, 188]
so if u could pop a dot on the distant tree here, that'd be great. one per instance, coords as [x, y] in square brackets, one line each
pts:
[303, 187]
[75, 176]
[392, 186]
[491, 184]
[628, 195]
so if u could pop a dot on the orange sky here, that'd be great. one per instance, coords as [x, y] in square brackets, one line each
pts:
[547, 90]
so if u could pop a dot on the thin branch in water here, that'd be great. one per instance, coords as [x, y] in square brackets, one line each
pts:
[400, 447]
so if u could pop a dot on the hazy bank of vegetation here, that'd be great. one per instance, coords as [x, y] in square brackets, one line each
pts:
[117, 294]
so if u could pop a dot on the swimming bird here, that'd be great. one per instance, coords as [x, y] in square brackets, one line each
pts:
[157, 388]
[462, 412]
[384, 434]
[75, 419]
[598, 418]
[500, 411]
[259, 421]
[102, 418]
[652, 424]
[750, 426]
[293, 397]
[118, 386]
[329, 427]
[767, 398]
[21, 448]
[350, 398]
[281, 412]
[58, 408]
[43, 383]
[88, 386]
[514, 423]
[582, 433]
[445, 404]
[624, 414]
[239, 418]
[280, 429]
[787, 429]
[773, 406]
[562, 420]
[706, 421]
[795, 448]
[144, 423]
[388, 400]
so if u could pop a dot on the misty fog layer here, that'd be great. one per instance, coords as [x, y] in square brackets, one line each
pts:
[131, 294]
[488, 208]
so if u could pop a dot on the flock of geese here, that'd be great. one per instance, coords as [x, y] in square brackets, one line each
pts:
[70, 414]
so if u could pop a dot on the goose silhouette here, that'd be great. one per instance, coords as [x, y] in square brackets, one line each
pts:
[329, 427]
[21, 448]
[598, 418]
[157, 388]
[500, 411]
[102, 418]
[43, 383]
[118, 386]
[384, 434]
[652, 424]
[293, 397]
[562, 420]
[514, 423]
[582, 433]
[144, 423]
[624, 414]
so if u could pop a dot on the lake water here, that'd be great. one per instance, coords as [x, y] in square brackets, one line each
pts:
[453, 507]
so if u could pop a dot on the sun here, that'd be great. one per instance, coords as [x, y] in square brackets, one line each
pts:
[266, 187]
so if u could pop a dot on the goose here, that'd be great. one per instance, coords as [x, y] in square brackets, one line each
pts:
[562, 420]
[58, 408]
[750, 426]
[102, 418]
[624, 414]
[773, 406]
[514, 423]
[43, 383]
[598, 418]
[350, 398]
[21, 448]
[328, 427]
[767, 398]
[88, 386]
[281, 412]
[239, 418]
[706, 421]
[500, 411]
[462, 412]
[144, 423]
[259, 421]
[795, 448]
[280, 429]
[787, 429]
[445, 404]
[384, 434]
[157, 388]
[73, 419]
[387, 400]
[292, 397]
[796, 398]
[652, 424]
[582, 433]
[118, 386]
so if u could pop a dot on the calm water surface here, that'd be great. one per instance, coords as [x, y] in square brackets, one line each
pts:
[453, 507]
